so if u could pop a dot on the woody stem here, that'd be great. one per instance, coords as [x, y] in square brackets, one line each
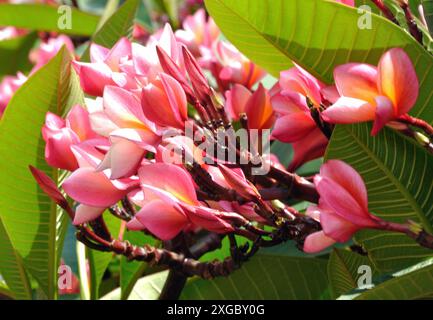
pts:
[385, 10]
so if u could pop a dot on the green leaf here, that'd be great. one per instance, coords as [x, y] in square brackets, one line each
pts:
[46, 18]
[29, 216]
[428, 13]
[12, 268]
[16, 51]
[413, 283]
[398, 176]
[265, 277]
[119, 25]
[131, 271]
[343, 266]
[98, 260]
[147, 288]
[318, 35]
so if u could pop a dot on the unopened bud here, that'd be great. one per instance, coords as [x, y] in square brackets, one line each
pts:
[422, 139]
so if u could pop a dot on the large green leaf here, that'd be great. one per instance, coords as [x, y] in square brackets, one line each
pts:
[317, 35]
[415, 282]
[411, 284]
[147, 288]
[265, 277]
[46, 18]
[398, 176]
[131, 271]
[98, 260]
[29, 216]
[119, 25]
[12, 268]
[428, 13]
[15, 51]
[343, 267]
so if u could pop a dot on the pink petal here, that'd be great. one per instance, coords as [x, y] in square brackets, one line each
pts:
[92, 188]
[298, 80]
[336, 227]
[123, 158]
[349, 110]
[93, 77]
[289, 102]
[236, 100]
[385, 112]
[162, 220]
[58, 149]
[98, 53]
[259, 110]
[135, 225]
[342, 202]
[293, 127]
[169, 178]
[317, 242]
[357, 80]
[121, 49]
[176, 96]
[122, 107]
[398, 80]
[85, 214]
[312, 146]
[348, 178]
[78, 120]
[152, 95]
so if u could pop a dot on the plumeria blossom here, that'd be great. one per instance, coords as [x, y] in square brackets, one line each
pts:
[47, 50]
[120, 118]
[294, 122]
[380, 94]
[105, 68]
[61, 134]
[230, 66]
[198, 31]
[342, 208]
[93, 189]
[257, 106]
[8, 86]
[171, 204]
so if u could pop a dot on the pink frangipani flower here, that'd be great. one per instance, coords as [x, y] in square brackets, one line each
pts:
[171, 205]
[294, 121]
[343, 206]
[60, 135]
[368, 93]
[257, 106]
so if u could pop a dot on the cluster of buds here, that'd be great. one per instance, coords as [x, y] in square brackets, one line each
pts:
[157, 147]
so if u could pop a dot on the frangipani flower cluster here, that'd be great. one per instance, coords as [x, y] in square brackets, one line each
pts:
[144, 96]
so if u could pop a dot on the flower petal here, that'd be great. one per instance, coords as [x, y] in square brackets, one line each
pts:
[293, 127]
[385, 112]
[317, 242]
[398, 80]
[348, 178]
[357, 80]
[169, 178]
[92, 188]
[162, 220]
[93, 77]
[85, 214]
[349, 110]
